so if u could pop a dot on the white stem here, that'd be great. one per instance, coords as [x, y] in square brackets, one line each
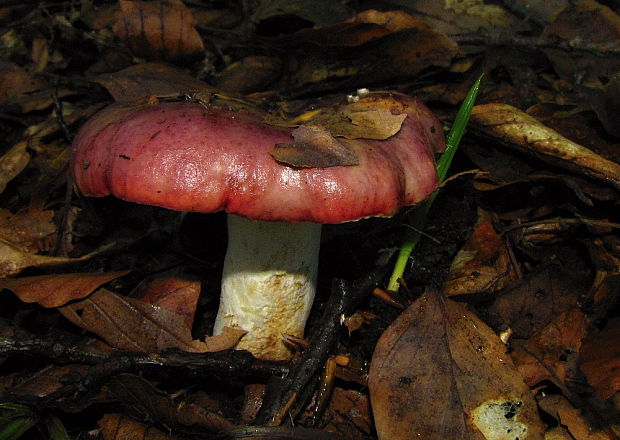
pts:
[268, 283]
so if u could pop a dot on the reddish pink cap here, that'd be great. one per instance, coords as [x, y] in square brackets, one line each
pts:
[186, 157]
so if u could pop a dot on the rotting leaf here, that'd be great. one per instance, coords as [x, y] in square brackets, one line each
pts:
[159, 30]
[131, 324]
[522, 131]
[314, 147]
[150, 79]
[482, 264]
[58, 289]
[439, 372]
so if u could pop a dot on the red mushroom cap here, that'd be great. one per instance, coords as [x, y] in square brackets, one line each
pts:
[187, 157]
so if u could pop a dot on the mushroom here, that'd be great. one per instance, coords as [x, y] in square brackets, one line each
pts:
[189, 157]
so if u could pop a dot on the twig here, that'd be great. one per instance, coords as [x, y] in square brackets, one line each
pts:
[282, 393]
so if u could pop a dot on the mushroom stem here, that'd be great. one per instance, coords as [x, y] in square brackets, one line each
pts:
[268, 283]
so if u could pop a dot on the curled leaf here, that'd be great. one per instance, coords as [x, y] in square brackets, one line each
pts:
[522, 131]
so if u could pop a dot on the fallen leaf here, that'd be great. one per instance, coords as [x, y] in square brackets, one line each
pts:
[15, 82]
[251, 74]
[314, 147]
[532, 304]
[385, 56]
[58, 289]
[349, 414]
[552, 353]
[176, 293]
[483, 264]
[148, 79]
[121, 427]
[30, 229]
[159, 30]
[145, 402]
[575, 421]
[131, 324]
[13, 259]
[599, 360]
[520, 130]
[585, 24]
[317, 12]
[439, 372]
[12, 163]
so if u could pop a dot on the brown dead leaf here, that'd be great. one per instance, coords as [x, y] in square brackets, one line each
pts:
[159, 30]
[552, 353]
[175, 293]
[58, 289]
[12, 163]
[120, 427]
[251, 74]
[145, 402]
[15, 82]
[45, 382]
[532, 304]
[320, 61]
[143, 80]
[483, 264]
[314, 147]
[439, 372]
[565, 413]
[31, 230]
[520, 130]
[13, 259]
[586, 23]
[600, 360]
[131, 324]
[349, 414]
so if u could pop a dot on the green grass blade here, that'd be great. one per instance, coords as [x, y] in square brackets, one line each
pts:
[18, 427]
[56, 429]
[443, 164]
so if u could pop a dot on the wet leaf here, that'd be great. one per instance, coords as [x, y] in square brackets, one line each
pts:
[159, 30]
[58, 289]
[518, 129]
[131, 324]
[314, 147]
[349, 413]
[483, 264]
[439, 372]
[148, 79]
[600, 360]
[120, 427]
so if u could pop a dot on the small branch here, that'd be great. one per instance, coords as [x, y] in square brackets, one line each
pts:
[283, 392]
